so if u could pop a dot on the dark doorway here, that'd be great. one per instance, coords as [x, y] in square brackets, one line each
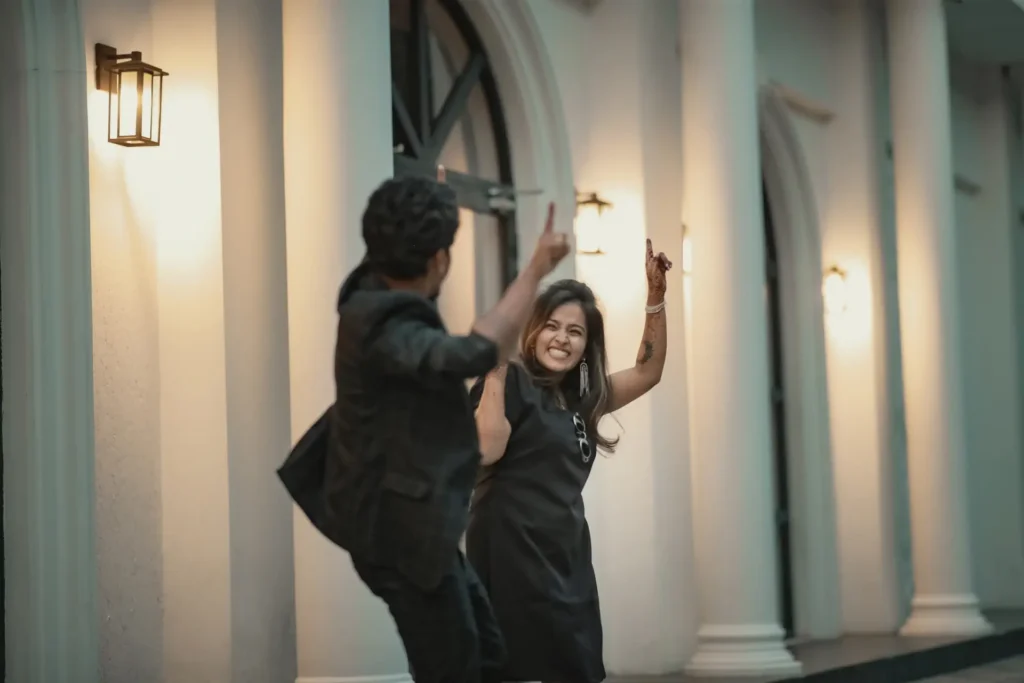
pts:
[424, 119]
[778, 403]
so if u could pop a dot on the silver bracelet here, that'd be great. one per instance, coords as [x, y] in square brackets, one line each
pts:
[656, 308]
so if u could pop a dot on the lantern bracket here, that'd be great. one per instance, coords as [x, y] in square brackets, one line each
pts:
[592, 199]
[108, 61]
[106, 57]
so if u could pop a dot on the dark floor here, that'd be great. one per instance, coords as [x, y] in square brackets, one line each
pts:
[892, 659]
[1005, 671]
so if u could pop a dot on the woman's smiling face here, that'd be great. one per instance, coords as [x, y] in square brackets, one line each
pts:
[563, 339]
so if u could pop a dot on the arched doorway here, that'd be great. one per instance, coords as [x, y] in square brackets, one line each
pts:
[446, 110]
[805, 511]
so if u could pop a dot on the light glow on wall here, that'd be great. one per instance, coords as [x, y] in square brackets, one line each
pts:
[618, 277]
[97, 106]
[833, 291]
[175, 188]
[846, 301]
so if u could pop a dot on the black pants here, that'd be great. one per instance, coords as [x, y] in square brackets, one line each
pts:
[450, 633]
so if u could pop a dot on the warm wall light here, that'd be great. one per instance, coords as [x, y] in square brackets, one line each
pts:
[687, 261]
[834, 291]
[136, 97]
[590, 227]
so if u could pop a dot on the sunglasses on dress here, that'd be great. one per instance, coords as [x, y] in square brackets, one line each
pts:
[581, 437]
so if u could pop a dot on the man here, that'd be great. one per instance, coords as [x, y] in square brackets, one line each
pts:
[403, 449]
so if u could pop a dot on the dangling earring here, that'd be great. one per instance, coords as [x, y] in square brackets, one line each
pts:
[584, 378]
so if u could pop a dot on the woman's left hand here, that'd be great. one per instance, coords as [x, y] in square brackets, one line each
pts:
[657, 266]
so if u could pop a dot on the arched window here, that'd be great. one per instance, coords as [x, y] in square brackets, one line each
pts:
[446, 110]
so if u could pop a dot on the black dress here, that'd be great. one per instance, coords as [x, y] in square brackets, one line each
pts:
[529, 541]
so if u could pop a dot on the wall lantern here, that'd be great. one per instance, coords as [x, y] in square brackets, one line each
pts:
[136, 97]
[833, 290]
[589, 224]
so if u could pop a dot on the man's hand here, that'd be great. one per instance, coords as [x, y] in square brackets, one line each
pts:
[503, 323]
[552, 246]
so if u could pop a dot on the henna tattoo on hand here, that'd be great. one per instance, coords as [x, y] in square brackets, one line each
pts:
[647, 342]
[647, 353]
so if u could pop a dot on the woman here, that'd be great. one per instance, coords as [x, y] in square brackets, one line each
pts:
[528, 537]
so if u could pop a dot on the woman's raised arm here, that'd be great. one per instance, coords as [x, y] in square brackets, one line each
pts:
[628, 385]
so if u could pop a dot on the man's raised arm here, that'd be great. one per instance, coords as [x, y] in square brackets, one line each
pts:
[503, 323]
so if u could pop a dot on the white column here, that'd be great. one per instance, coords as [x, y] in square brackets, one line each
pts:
[944, 603]
[184, 213]
[49, 536]
[861, 337]
[733, 496]
[337, 141]
[249, 53]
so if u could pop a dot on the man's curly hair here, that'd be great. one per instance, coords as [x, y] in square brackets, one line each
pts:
[406, 222]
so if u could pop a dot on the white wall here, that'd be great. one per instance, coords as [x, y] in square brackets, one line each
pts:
[126, 378]
[191, 366]
[565, 31]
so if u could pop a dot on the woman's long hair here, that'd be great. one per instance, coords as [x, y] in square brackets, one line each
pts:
[594, 405]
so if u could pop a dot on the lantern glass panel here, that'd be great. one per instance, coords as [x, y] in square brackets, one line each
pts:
[155, 104]
[590, 228]
[114, 106]
[146, 130]
[128, 86]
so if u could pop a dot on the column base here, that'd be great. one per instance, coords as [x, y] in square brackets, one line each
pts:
[747, 650]
[945, 615]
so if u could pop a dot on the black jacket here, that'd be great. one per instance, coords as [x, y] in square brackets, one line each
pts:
[399, 447]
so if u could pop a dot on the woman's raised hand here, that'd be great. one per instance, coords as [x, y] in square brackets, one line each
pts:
[657, 266]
